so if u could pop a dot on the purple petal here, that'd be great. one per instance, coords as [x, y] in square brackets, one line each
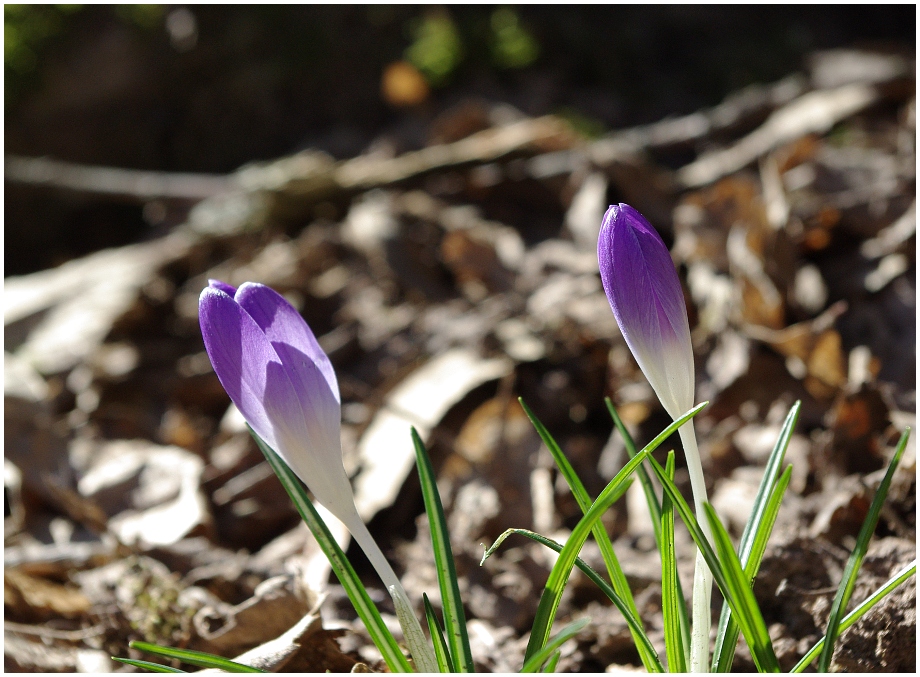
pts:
[317, 455]
[645, 294]
[223, 286]
[246, 365]
[286, 398]
[307, 365]
[233, 349]
[287, 331]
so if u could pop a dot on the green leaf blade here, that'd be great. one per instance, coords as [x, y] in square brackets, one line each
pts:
[654, 507]
[856, 557]
[671, 596]
[762, 652]
[534, 662]
[617, 578]
[631, 620]
[860, 611]
[754, 538]
[451, 603]
[198, 658]
[555, 584]
[147, 665]
[441, 651]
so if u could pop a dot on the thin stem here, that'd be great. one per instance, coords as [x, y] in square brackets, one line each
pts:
[423, 654]
[702, 577]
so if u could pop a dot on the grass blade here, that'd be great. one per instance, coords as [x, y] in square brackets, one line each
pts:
[617, 578]
[671, 598]
[441, 652]
[756, 532]
[740, 590]
[199, 658]
[852, 569]
[729, 638]
[558, 577]
[147, 665]
[860, 611]
[454, 617]
[749, 617]
[631, 620]
[654, 508]
[534, 662]
[376, 628]
[552, 662]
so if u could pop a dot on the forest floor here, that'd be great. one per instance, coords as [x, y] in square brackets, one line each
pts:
[444, 283]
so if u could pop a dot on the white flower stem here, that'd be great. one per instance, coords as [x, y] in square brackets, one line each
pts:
[421, 650]
[702, 576]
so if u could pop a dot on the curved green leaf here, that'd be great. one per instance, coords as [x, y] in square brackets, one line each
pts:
[454, 617]
[853, 564]
[199, 658]
[559, 576]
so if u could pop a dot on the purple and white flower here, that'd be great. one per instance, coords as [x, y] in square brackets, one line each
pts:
[647, 301]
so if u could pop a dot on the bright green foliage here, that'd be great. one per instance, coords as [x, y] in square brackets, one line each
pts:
[728, 576]
[754, 539]
[436, 49]
[534, 662]
[441, 650]
[733, 573]
[632, 620]
[852, 569]
[454, 618]
[512, 45]
[555, 585]
[600, 536]
[199, 658]
[671, 598]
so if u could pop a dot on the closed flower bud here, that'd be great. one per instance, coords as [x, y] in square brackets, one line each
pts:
[275, 372]
[645, 294]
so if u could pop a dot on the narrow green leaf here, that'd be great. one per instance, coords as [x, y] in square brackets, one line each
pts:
[762, 653]
[558, 577]
[617, 578]
[762, 535]
[454, 616]
[552, 662]
[199, 658]
[631, 620]
[729, 637]
[740, 590]
[376, 628]
[859, 612]
[147, 665]
[534, 662]
[852, 569]
[441, 652]
[756, 533]
[654, 508]
[671, 599]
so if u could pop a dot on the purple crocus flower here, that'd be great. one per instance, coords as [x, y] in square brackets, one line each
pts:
[278, 376]
[642, 286]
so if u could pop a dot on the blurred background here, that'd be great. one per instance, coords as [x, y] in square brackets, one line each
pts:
[208, 89]
[426, 184]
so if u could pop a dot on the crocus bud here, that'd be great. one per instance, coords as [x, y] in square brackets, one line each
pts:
[275, 372]
[642, 286]
[273, 369]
